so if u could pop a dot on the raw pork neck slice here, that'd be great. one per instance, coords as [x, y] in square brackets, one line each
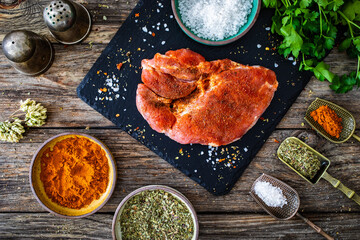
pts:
[195, 101]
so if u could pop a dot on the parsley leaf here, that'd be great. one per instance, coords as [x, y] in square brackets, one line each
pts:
[292, 41]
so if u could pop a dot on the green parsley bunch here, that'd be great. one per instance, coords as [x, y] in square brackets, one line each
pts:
[309, 29]
[35, 115]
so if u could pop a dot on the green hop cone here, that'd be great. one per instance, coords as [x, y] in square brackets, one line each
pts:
[35, 113]
[11, 131]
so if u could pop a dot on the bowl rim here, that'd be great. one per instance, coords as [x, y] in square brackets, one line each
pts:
[209, 42]
[111, 158]
[166, 189]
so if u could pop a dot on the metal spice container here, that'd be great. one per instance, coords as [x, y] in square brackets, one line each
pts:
[320, 173]
[290, 209]
[29, 53]
[69, 22]
[348, 121]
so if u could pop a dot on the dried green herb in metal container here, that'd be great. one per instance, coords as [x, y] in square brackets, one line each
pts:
[156, 214]
[300, 158]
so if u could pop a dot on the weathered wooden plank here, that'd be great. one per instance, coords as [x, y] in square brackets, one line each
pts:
[28, 15]
[137, 166]
[56, 89]
[212, 226]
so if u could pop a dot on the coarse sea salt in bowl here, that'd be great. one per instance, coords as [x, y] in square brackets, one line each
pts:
[216, 22]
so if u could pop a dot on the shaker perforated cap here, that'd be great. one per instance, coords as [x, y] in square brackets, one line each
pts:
[69, 22]
[59, 15]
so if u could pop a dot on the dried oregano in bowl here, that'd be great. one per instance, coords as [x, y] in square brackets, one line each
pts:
[30, 114]
[156, 215]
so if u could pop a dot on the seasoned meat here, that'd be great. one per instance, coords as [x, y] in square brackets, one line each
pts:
[195, 101]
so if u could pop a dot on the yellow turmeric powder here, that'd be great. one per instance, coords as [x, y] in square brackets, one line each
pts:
[75, 172]
[328, 119]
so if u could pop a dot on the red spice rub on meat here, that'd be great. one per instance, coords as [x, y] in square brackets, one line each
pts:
[195, 101]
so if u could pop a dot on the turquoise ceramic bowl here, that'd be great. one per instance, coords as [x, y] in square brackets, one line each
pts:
[242, 31]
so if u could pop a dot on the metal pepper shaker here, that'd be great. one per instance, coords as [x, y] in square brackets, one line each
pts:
[29, 53]
[69, 22]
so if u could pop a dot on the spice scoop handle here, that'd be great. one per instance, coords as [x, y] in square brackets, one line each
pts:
[337, 184]
[316, 228]
[356, 137]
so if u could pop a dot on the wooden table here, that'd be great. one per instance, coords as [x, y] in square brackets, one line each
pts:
[233, 216]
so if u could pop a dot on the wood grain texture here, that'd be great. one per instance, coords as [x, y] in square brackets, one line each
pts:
[137, 166]
[212, 227]
[233, 216]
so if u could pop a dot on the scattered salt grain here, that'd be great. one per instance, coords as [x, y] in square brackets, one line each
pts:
[171, 16]
[271, 195]
[276, 65]
[267, 29]
[163, 43]
[215, 19]
[166, 29]
[258, 46]
[144, 29]
[157, 10]
[245, 149]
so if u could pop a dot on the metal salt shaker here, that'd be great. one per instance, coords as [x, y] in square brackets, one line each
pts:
[29, 53]
[69, 22]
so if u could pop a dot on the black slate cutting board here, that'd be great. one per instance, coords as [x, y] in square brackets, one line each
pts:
[152, 28]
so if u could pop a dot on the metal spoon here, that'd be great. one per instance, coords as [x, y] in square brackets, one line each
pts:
[348, 121]
[290, 209]
[321, 173]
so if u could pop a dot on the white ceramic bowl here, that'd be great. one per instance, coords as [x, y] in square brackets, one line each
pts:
[116, 230]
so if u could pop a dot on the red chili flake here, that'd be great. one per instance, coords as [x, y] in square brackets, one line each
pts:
[97, 72]
[275, 140]
[105, 74]
[262, 119]
[137, 14]
[117, 115]
[119, 65]
[137, 128]
[153, 34]
[181, 151]
[188, 155]
[234, 166]
[223, 159]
